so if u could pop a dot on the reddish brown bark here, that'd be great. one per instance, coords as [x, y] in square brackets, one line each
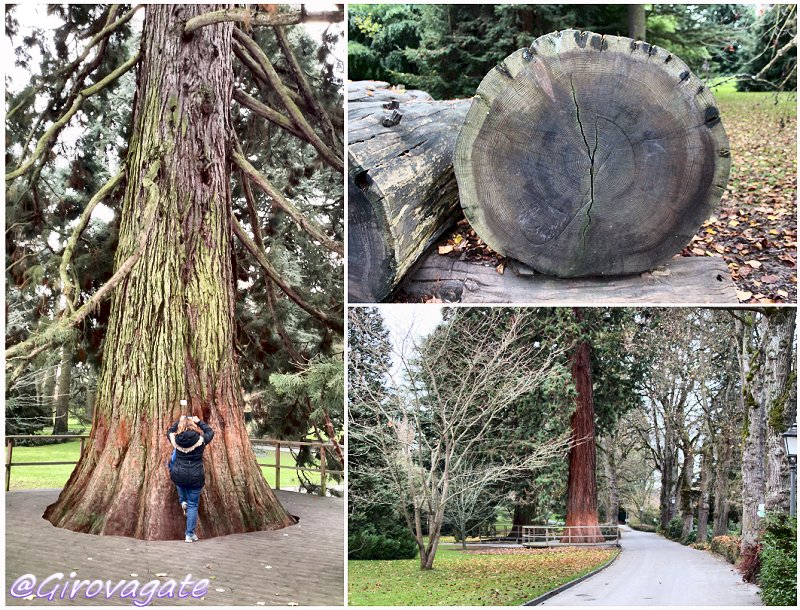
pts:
[581, 484]
[171, 328]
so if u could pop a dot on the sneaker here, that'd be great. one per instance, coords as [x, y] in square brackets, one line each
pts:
[194, 538]
[183, 506]
[190, 539]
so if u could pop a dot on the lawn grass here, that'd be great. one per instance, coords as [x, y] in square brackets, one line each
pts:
[503, 577]
[52, 477]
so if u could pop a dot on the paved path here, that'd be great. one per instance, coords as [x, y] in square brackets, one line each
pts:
[654, 571]
[306, 560]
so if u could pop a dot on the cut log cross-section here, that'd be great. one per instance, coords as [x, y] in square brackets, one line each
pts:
[591, 155]
[401, 188]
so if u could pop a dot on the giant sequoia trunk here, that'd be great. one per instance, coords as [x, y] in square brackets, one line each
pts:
[581, 483]
[171, 328]
[590, 155]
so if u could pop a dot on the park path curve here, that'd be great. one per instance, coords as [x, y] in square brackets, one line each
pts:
[654, 571]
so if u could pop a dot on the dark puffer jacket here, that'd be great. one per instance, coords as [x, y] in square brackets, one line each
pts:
[187, 471]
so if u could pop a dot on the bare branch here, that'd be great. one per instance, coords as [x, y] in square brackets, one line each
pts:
[781, 52]
[273, 116]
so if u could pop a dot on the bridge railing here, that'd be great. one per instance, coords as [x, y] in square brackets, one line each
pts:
[322, 448]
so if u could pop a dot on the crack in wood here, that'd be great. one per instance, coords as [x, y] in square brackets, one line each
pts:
[591, 154]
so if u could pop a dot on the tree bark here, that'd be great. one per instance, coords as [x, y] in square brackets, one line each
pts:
[171, 327]
[668, 472]
[610, 471]
[722, 474]
[62, 395]
[764, 378]
[703, 506]
[402, 191]
[589, 155]
[581, 483]
[48, 389]
[687, 476]
[637, 20]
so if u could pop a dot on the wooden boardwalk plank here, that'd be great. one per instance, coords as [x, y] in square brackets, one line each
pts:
[307, 559]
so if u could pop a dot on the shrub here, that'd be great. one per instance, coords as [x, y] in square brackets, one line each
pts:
[750, 563]
[674, 529]
[392, 543]
[727, 546]
[700, 546]
[778, 576]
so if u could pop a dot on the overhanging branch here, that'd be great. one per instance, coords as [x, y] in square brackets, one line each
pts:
[249, 18]
[304, 223]
[48, 135]
[261, 258]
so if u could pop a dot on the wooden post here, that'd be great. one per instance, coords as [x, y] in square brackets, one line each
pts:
[322, 474]
[83, 443]
[9, 451]
[277, 466]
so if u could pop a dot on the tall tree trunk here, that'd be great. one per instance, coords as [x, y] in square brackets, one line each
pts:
[668, 468]
[171, 328]
[764, 378]
[62, 393]
[581, 483]
[703, 507]
[687, 476]
[48, 389]
[722, 474]
[637, 20]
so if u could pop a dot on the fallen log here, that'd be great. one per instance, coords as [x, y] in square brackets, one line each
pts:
[591, 155]
[402, 194]
[681, 280]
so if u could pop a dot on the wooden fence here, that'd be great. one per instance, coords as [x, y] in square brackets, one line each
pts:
[323, 449]
[549, 535]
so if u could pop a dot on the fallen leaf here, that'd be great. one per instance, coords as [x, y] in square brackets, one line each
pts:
[501, 268]
[769, 279]
[754, 264]
[743, 295]
[447, 249]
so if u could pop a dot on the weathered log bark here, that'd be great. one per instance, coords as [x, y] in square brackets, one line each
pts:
[171, 328]
[581, 482]
[590, 155]
[689, 280]
[402, 192]
[62, 392]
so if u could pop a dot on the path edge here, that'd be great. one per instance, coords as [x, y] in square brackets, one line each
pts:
[545, 596]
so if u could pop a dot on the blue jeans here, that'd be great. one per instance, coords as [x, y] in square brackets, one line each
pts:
[192, 498]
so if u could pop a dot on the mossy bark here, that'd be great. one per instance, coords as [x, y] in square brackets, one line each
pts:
[171, 328]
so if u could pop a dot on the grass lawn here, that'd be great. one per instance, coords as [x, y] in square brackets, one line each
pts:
[51, 477]
[499, 577]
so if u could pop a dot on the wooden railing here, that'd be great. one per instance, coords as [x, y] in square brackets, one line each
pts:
[323, 449]
[548, 535]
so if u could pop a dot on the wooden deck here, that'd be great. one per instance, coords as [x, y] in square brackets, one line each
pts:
[306, 561]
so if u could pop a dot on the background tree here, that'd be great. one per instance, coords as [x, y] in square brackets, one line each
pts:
[448, 405]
